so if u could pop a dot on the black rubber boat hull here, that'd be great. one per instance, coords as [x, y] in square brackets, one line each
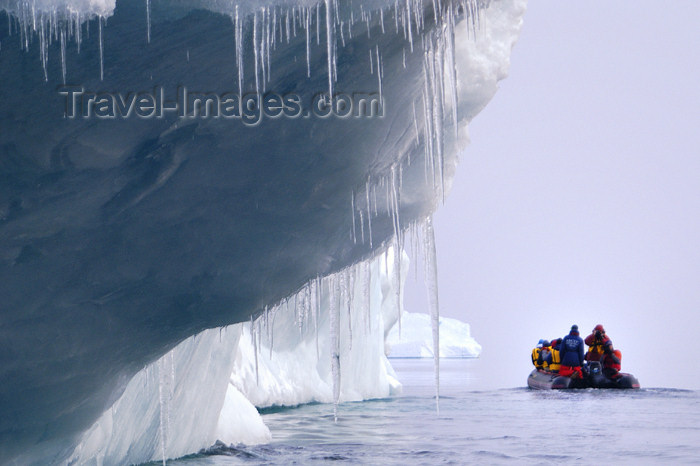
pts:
[543, 380]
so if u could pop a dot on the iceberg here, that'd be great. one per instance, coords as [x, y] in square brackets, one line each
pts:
[125, 234]
[415, 338]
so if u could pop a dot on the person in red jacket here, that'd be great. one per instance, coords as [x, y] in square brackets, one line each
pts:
[596, 342]
[612, 361]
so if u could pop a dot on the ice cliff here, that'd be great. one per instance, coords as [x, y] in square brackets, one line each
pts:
[208, 387]
[123, 238]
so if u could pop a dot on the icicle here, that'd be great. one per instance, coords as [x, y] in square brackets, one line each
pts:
[238, 32]
[395, 202]
[255, 348]
[349, 290]
[78, 31]
[408, 23]
[148, 21]
[63, 55]
[437, 96]
[362, 227]
[43, 47]
[309, 308]
[102, 67]
[374, 195]
[255, 51]
[263, 48]
[352, 207]
[396, 278]
[342, 35]
[271, 325]
[335, 346]
[329, 48]
[274, 28]
[369, 211]
[379, 75]
[451, 66]
[387, 198]
[268, 44]
[318, 23]
[396, 15]
[287, 27]
[307, 27]
[431, 281]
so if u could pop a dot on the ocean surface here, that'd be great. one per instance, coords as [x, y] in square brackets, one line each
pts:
[480, 426]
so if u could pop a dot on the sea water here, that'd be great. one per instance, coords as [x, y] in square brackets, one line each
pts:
[480, 426]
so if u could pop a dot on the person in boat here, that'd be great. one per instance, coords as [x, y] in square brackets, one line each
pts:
[596, 342]
[555, 355]
[612, 361]
[571, 351]
[536, 354]
[545, 357]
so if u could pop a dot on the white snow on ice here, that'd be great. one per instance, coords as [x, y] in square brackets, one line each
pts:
[416, 340]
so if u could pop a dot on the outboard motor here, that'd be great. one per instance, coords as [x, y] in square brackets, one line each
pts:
[595, 374]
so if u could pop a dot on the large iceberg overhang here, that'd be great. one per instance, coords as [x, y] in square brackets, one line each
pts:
[120, 238]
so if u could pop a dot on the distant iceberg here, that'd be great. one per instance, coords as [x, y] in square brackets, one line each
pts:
[416, 341]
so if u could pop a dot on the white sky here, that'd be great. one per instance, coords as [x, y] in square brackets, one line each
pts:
[578, 200]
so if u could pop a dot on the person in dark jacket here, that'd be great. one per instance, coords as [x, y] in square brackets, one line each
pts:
[571, 351]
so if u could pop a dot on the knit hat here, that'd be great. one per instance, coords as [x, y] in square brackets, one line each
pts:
[574, 328]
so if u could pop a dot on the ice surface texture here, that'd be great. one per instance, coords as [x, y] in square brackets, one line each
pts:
[121, 238]
[209, 386]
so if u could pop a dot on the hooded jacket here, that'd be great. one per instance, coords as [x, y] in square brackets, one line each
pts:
[571, 350]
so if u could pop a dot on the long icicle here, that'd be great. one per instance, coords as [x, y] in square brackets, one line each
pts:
[431, 281]
[330, 39]
[335, 346]
[102, 60]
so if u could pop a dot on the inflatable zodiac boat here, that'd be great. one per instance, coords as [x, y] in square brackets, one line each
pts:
[540, 379]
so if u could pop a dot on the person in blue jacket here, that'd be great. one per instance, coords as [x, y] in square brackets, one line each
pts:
[571, 351]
